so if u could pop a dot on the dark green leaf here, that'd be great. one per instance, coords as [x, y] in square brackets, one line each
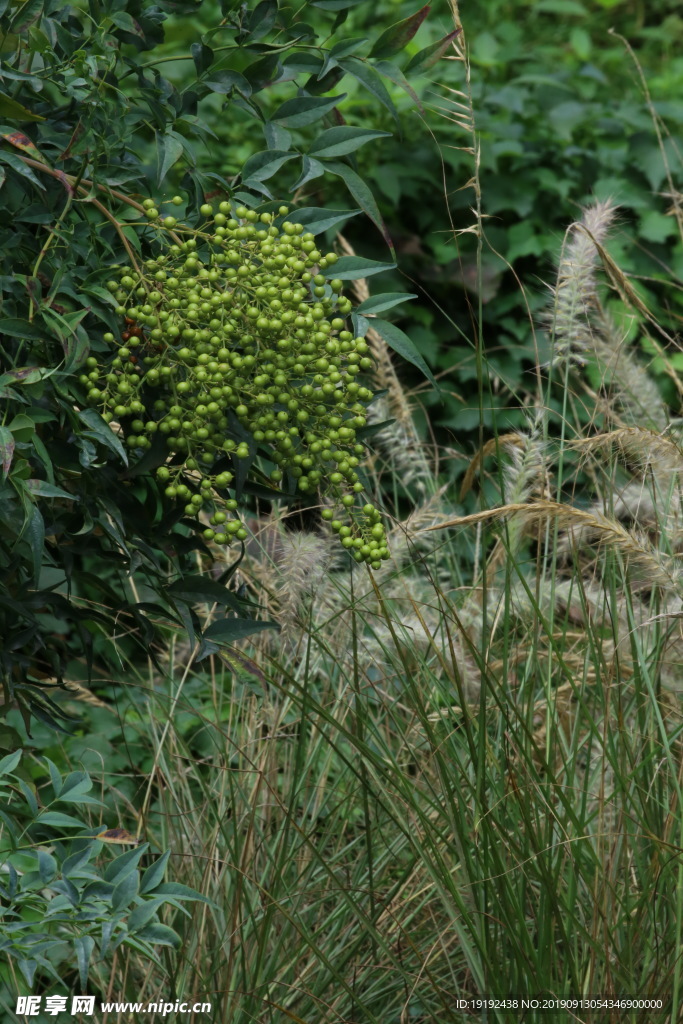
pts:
[385, 300]
[225, 81]
[101, 431]
[350, 268]
[363, 195]
[160, 934]
[201, 589]
[398, 35]
[262, 166]
[401, 343]
[310, 170]
[318, 219]
[14, 328]
[305, 110]
[84, 945]
[125, 891]
[342, 140]
[169, 151]
[369, 78]
[17, 164]
[14, 111]
[202, 56]
[155, 873]
[396, 76]
[426, 58]
[228, 631]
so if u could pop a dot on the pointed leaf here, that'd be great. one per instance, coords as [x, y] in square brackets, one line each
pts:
[160, 934]
[363, 196]
[262, 166]
[398, 35]
[169, 151]
[401, 343]
[10, 762]
[318, 219]
[304, 110]
[101, 430]
[84, 945]
[395, 75]
[228, 631]
[342, 140]
[125, 891]
[15, 111]
[310, 170]
[155, 873]
[385, 300]
[426, 58]
[350, 268]
[368, 77]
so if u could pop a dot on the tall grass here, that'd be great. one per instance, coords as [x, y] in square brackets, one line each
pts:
[459, 776]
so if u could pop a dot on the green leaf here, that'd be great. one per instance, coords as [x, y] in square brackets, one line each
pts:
[396, 76]
[310, 170]
[368, 77]
[15, 328]
[142, 915]
[44, 490]
[154, 874]
[342, 140]
[160, 934]
[35, 531]
[101, 431]
[385, 300]
[6, 449]
[426, 58]
[350, 268]
[179, 892]
[401, 343]
[202, 56]
[398, 35]
[201, 589]
[15, 111]
[305, 110]
[318, 219]
[228, 631]
[10, 762]
[226, 82]
[362, 193]
[84, 945]
[277, 137]
[59, 820]
[169, 151]
[125, 891]
[262, 166]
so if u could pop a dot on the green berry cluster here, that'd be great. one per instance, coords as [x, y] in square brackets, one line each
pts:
[236, 345]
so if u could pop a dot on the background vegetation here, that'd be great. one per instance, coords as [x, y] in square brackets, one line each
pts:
[457, 775]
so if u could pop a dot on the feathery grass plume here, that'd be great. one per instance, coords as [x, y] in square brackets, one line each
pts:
[581, 327]
[644, 449]
[575, 298]
[302, 568]
[658, 570]
[633, 389]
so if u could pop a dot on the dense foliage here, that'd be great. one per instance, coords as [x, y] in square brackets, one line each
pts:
[101, 129]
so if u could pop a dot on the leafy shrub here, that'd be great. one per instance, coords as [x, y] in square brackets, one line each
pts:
[86, 531]
[60, 908]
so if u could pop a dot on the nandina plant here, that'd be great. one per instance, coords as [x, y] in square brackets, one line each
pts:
[119, 464]
[236, 345]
